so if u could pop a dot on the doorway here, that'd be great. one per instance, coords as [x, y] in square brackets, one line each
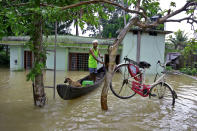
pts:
[28, 59]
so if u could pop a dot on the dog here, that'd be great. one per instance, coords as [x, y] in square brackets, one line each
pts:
[72, 83]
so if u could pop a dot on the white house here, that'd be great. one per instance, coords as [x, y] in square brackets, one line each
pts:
[145, 45]
[72, 51]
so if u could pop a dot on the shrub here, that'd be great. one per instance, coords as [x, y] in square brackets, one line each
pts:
[189, 71]
[168, 68]
[4, 60]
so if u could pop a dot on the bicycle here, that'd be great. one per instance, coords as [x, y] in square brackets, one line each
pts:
[132, 77]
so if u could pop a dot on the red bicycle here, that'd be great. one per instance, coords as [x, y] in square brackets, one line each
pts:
[129, 79]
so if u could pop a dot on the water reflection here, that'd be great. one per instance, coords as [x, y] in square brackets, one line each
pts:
[17, 111]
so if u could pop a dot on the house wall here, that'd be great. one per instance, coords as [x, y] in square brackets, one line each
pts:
[16, 54]
[62, 56]
[50, 60]
[152, 49]
[65, 45]
[86, 50]
[60, 59]
[66, 58]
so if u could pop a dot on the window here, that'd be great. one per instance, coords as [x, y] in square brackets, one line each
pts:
[153, 33]
[78, 61]
[135, 32]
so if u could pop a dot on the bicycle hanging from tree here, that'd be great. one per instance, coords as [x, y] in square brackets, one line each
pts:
[131, 80]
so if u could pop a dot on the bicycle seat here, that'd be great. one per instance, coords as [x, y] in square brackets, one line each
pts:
[144, 64]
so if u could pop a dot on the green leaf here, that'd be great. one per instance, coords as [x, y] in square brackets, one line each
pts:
[173, 4]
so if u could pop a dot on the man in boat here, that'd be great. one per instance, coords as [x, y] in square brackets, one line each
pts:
[94, 54]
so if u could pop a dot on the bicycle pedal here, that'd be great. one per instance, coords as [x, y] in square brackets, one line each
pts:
[152, 95]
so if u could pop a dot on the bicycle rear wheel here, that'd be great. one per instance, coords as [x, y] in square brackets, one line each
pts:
[162, 93]
[121, 82]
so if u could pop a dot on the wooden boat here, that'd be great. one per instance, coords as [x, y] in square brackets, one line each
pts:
[67, 92]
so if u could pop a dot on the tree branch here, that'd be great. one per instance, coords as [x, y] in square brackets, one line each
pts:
[188, 4]
[103, 1]
[47, 5]
[165, 18]
[123, 32]
[138, 5]
[179, 20]
[136, 11]
[87, 3]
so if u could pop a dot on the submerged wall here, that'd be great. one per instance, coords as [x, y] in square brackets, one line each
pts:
[62, 56]
[16, 57]
[60, 59]
[65, 44]
[152, 49]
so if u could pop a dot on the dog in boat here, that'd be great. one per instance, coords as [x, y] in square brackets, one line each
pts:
[72, 83]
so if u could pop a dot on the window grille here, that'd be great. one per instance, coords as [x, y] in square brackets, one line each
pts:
[78, 61]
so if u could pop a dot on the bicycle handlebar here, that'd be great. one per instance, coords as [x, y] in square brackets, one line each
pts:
[162, 65]
[130, 61]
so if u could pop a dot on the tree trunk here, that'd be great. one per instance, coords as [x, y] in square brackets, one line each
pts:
[123, 13]
[39, 94]
[77, 28]
[191, 59]
[175, 46]
[112, 55]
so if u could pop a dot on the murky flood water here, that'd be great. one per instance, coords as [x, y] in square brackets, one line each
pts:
[17, 112]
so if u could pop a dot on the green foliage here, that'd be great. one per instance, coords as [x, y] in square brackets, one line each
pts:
[173, 4]
[21, 18]
[62, 28]
[194, 71]
[105, 12]
[4, 59]
[179, 40]
[35, 71]
[168, 68]
[191, 48]
[189, 71]
[110, 27]
[152, 7]
[170, 48]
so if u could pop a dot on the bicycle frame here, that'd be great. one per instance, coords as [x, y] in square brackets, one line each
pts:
[160, 79]
[139, 86]
[132, 76]
[147, 87]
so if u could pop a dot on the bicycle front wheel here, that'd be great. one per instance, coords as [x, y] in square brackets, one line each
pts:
[162, 93]
[121, 82]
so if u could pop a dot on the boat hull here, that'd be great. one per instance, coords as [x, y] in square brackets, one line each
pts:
[68, 92]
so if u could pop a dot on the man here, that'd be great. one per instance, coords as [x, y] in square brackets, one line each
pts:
[93, 59]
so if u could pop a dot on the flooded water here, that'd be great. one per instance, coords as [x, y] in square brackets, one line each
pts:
[17, 112]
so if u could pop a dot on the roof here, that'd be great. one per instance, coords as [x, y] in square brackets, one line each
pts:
[151, 30]
[172, 56]
[67, 39]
